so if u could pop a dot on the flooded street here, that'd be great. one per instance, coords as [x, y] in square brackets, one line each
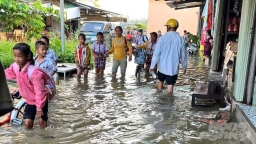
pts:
[108, 110]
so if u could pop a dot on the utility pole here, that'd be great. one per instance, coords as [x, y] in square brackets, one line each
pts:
[62, 28]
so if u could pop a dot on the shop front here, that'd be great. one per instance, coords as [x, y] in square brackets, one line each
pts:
[233, 45]
[232, 25]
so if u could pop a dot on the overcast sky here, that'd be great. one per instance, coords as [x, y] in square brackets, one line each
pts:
[135, 9]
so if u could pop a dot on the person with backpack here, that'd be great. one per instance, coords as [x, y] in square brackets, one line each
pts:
[141, 38]
[36, 86]
[119, 50]
[149, 46]
[99, 49]
[42, 61]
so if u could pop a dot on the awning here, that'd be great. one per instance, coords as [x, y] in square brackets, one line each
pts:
[72, 11]
[97, 17]
[76, 10]
[97, 14]
[181, 4]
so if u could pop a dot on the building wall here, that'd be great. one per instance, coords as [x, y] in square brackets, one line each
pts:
[159, 12]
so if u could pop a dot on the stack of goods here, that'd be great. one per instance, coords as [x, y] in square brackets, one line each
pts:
[233, 25]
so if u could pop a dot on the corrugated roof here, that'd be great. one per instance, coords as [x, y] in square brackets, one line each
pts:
[181, 4]
[90, 11]
[97, 9]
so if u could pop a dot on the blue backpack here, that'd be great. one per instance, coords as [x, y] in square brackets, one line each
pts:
[140, 56]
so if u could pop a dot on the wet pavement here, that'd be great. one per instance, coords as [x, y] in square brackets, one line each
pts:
[108, 110]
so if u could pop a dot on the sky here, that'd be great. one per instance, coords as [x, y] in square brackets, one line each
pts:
[135, 9]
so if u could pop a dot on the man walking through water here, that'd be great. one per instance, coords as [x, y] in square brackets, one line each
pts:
[169, 52]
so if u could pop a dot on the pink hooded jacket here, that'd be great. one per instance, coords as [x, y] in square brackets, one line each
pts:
[32, 90]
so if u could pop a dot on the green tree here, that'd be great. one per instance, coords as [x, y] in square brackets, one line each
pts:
[15, 13]
[140, 26]
[128, 27]
[195, 39]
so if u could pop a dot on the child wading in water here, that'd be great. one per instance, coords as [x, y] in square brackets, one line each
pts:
[99, 49]
[150, 47]
[82, 57]
[31, 88]
[42, 61]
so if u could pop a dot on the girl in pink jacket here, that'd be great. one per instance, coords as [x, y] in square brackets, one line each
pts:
[31, 88]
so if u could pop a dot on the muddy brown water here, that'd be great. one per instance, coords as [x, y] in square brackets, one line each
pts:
[107, 110]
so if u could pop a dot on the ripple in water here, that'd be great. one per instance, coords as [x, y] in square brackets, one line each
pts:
[108, 110]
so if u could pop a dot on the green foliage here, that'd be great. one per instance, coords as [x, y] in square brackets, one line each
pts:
[6, 55]
[128, 27]
[195, 39]
[30, 17]
[142, 26]
[70, 45]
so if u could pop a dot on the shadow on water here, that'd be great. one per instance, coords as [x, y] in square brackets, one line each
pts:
[104, 109]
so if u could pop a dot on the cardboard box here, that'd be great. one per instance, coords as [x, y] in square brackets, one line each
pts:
[233, 46]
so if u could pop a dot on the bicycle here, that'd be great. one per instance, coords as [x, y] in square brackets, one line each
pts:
[16, 115]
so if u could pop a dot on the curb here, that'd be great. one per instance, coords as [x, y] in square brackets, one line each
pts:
[250, 129]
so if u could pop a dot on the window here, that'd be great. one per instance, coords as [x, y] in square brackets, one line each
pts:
[92, 27]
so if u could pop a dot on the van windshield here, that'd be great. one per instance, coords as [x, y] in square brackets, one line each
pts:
[92, 27]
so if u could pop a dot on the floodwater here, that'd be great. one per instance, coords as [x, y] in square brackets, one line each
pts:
[107, 110]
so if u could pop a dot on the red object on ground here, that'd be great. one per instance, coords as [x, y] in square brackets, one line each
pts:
[6, 120]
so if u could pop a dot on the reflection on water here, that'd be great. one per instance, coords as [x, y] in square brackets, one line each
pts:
[115, 110]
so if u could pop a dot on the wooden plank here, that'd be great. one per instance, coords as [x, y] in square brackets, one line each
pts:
[228, 57]
[228, 46]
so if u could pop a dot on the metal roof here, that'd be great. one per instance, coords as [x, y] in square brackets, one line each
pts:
[90, 12]
[93, 9]
[100, 14]
[181, 4]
